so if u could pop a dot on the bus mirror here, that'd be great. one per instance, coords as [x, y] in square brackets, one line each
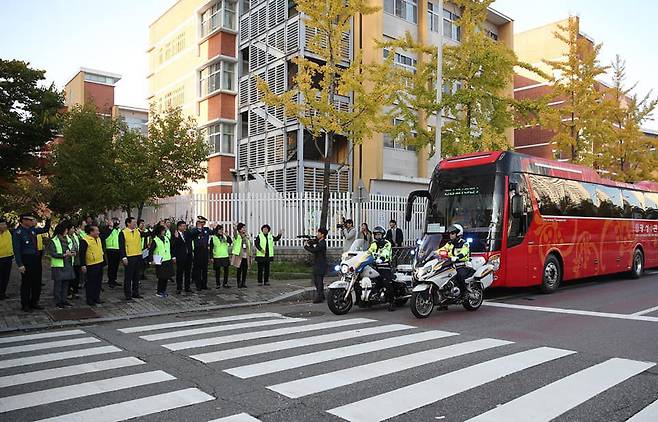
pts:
[517, 206]
[411, 199]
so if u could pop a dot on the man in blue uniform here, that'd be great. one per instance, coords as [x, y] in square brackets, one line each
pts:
[200, 241]
[28, 259]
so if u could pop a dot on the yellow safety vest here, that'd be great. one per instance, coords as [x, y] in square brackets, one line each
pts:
[237, 246]
[59, 262]
[6, 245]
[133, 239]
[261, 242]
[219, 247]
[112, 241]
[94, 253]
[162, 248]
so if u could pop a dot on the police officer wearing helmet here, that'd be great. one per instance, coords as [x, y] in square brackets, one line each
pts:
[459, 252]
[382, 251]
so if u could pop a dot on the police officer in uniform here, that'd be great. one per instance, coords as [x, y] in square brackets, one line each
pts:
[382, 251]
[459, 252]
[200, 241]
[28, 259]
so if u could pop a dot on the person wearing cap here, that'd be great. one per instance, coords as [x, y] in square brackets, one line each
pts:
[110, 235]
[130, 250]
[28, 259]
[200, 242]
[6, 256]
[264, 243]
[318, 247]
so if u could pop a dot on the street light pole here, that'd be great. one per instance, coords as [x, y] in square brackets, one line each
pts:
[439, 82]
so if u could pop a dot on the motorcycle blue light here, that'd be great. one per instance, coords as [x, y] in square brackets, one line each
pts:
[337, 267]
[469, 239]
[419, 242]
[412, 253]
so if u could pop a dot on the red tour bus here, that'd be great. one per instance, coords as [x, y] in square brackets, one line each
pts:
[547, 221]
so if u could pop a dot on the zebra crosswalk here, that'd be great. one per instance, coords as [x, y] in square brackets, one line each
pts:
[356, 369]
[40, 370]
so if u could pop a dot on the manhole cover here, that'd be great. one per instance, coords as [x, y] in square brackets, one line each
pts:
[304, 314]
[72, 314]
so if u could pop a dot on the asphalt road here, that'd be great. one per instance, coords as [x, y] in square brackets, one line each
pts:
[585, 353]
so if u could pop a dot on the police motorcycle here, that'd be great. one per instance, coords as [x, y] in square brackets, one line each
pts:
[435, 283]
[360, 282]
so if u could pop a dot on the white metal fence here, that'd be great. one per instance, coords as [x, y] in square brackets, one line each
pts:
[295, 213]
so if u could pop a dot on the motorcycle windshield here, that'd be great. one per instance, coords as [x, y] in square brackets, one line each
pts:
[359, 245]
[428, 245]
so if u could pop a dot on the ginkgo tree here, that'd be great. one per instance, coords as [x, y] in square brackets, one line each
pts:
[320, 79]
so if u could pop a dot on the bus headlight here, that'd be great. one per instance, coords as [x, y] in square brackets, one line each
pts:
[495, 262]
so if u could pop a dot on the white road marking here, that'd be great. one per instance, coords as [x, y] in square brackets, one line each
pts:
[648, 414]
[50, 357]
[411, 397]
[29, 337]
[219, 328]
[240, 352]
[240, 417]
[298, 361]
[572, 312]
[646, 311]
[566, 393]
[67, 371]
[52, 395]
[264, 334]
[136, 408]
[48, 345]
[143, 328]
[319, 383]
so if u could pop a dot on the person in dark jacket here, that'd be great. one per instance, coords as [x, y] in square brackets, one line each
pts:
[220, 245]
[200, 242]
[264, 243]
[110, 237]
[318, 247]
[28, 260]
[60, 250]
[394, 234]
[181, 245]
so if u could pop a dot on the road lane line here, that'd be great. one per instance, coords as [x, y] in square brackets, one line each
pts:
[212, 341]
[50, 357]
[52, 395]
[240, 352]
[646, 311]
[39, 336]
[67, 371]
[284, 364]
[47, 345]
[566, 393]
[411, 397]
[219, 328]
[572, 312]
[648, 414]
[240, 417]
[153, 327]
[136, 408]
[324, 382]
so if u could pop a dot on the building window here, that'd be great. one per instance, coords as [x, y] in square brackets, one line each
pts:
[220, 75]
[491, 34]
[397, 142]
[433, 17]
[220, 14]
[404, 9]
[174, 98]
[100, 78]
[171, 48]
[450, 27]
[402, 60]
[220, 138]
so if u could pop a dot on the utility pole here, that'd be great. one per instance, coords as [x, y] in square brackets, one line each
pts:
[439, 82]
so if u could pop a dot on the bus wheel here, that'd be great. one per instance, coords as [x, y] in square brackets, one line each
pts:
[637, 268]
[552, 275]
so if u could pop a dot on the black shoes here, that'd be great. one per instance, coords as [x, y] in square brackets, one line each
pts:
[318, 299]
[137, 296]
[37, 306]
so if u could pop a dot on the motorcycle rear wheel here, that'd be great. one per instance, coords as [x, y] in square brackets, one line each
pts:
[422, 304]
[337, 302]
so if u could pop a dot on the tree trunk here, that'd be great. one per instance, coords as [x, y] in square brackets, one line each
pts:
[326, 177]
[128, 211]
[140, 210]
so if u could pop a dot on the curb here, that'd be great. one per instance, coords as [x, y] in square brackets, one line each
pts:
[301, 294]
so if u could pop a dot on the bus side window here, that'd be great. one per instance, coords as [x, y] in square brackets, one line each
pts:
[519, 225]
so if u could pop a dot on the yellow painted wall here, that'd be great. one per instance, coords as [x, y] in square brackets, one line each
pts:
[74, 90]
[539, 44]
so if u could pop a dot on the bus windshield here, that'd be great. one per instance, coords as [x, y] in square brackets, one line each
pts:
[472, 197]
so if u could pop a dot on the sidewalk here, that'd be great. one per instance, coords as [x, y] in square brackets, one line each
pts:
[116, 308]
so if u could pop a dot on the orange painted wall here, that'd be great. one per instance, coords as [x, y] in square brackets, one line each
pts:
[219, 168]
[221, 106]
[100, 95]
[223, 44]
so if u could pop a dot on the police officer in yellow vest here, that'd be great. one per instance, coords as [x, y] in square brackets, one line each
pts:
[459, 252]
[130, 250]
[6, 256]
[91, 263]
[161, 257]
[265, 253]
[111, 237]
[219, 247]
[61, 254]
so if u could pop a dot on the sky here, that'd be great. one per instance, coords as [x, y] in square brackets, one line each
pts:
[60, 36]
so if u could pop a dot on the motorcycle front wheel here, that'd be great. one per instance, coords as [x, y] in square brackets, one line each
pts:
[422, 304]
[474, 299]
[337, 302]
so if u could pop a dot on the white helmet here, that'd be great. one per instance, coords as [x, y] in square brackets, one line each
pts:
[456, 228]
